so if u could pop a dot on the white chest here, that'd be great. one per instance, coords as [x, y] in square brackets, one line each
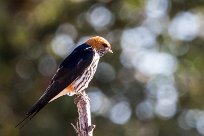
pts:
[82, 82]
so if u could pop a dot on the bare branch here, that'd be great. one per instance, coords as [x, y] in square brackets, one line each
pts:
[83, 126]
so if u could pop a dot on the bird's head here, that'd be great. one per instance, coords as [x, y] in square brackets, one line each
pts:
[101, 45]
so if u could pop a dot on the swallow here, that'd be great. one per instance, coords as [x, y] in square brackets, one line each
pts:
[73, 74]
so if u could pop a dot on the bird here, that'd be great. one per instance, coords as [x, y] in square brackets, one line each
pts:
[73, 74]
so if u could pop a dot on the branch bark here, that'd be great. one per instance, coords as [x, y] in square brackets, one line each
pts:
[83, 126]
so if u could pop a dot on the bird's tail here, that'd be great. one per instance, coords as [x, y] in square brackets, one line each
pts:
[31, 113]
[50, 92]
[43, 100]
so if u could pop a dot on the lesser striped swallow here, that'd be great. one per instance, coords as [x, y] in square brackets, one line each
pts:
[73, 75]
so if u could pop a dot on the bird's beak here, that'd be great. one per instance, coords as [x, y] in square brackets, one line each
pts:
[110, 51]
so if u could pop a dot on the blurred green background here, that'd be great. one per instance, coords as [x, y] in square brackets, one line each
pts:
[153, 84]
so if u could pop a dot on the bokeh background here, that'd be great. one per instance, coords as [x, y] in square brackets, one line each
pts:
[153, 84]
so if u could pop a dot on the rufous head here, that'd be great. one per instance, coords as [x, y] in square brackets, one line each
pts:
[100, 44]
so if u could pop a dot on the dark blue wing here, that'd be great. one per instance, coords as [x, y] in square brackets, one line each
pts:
[82, 52]
[71, 68]
[74, 65]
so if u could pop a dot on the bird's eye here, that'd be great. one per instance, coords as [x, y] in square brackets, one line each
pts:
[105, 45]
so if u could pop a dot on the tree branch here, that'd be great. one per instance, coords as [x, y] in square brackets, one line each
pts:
[83, 126]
